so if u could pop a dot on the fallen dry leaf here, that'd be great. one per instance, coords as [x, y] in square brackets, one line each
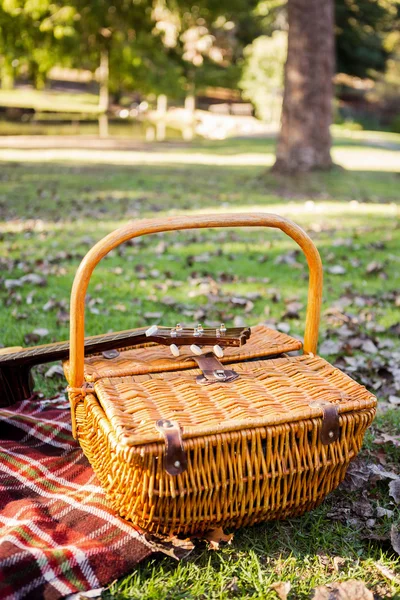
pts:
[55, 370]
[361, 475]
[369, 346]
[11, 284]
[374, 267]
[41, 331]
[232, 586]
[395, 539]
[388, 573]
[34, 279]
[336, 270]
[329, 347]
[290, 258]
[282, 589]
[344, 590]
[394, 400]
[338, 563]
[384, 512]
[216, 536]
[385, 438]
[170, 545]
[394, 490]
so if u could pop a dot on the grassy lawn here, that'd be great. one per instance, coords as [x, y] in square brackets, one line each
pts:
[56, 202]
[50, 100]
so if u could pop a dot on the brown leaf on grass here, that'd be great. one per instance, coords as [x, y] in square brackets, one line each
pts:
[62, 317]
[292, 310]
[11, 284]
[384, 512]
[120, 307]
[395, 539]
[54, 371]
[369, 346]
[361, 475]
[394, 400]
[34, 279]
[344, 590]
[31, 338]
[374, 268]
[290, 258]
[394, 490]
[170, 545]
[387, 573]
[329, 347]
[338, 563]
[336, 270]
[385, 438]
[282, 589]
[216, 536]
[232, 586]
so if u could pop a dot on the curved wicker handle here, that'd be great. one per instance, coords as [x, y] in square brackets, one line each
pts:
[147, 226]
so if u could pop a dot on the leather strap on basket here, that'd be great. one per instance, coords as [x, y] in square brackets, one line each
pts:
[212, 370]
[175, 461]
[330, 429]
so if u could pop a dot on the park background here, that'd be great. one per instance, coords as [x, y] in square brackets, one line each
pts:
[116, 111]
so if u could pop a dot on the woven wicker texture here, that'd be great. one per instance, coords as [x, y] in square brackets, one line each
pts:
[233, 479]
[267, 392]
[151, 358]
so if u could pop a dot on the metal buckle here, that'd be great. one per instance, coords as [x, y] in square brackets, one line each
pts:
[212, 370]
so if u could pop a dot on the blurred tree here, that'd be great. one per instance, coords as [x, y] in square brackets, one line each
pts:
[34, 36]
[262, 74]
[304, 140]
[207, 39]
[385, 92]
[361, 30]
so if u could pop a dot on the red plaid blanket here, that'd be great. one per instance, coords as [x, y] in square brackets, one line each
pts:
[57, 534]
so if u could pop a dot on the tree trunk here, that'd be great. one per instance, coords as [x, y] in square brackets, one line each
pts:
[304, 141]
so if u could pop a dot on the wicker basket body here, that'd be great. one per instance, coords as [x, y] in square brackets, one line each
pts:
[254, 450]
[254, 446]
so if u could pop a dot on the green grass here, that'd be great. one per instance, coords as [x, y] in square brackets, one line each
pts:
[55, 203]
[50, 101]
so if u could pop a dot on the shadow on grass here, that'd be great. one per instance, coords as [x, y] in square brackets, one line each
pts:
[56, 191]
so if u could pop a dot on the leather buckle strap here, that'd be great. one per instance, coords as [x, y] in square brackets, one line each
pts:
[212, 370]
[175, 461]
[330, 429]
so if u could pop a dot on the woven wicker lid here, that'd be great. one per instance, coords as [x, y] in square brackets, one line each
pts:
[153, 358]
[268, 392]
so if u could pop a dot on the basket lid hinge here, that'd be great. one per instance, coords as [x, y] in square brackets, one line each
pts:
[175, 461]
[330, 429]
[212, 370]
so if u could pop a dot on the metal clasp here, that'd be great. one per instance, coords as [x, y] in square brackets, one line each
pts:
[212, 370]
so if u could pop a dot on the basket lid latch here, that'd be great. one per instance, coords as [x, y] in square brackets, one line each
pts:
[175, 460]
[212, 370]
[330, 429]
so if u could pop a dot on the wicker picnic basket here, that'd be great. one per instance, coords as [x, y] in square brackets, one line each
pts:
[175, 456]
